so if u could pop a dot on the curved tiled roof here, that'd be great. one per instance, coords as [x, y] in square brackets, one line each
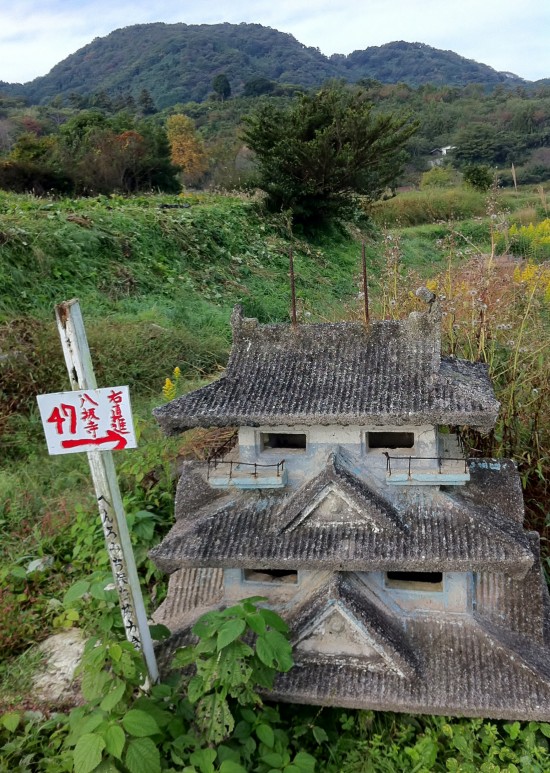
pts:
[389, 372]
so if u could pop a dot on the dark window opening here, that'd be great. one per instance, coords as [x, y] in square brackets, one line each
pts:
[390, 439]
[276, 576]
[287, 441]
[426, 581]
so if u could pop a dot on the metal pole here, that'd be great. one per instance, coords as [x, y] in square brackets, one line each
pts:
[365, 283]
[115, 528]
[292, 287]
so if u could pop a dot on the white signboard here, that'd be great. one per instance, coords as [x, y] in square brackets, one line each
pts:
[89, 420]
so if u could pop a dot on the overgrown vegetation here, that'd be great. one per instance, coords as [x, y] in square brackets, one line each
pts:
[317, 156]
[156, 285]
[463, 128]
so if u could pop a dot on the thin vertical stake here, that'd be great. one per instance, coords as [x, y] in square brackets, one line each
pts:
[365, 283]
[76, 351]
[292, 287]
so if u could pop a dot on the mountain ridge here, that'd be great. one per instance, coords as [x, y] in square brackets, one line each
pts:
[177, 63]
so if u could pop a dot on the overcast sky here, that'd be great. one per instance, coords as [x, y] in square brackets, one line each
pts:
[506, 34]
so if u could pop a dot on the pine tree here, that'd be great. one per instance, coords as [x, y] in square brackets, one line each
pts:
[317, 155]
[146, 103]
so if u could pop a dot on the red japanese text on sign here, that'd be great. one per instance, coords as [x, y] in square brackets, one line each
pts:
[94, 419]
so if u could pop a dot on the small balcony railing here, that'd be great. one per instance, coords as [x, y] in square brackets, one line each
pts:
[232, 472]
[418, 470]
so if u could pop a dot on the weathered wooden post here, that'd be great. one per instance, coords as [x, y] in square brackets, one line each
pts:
[115, 528]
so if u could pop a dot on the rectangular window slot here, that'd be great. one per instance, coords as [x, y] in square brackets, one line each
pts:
[282, 441]
[273, 576]
[390, 439]
[423, 581]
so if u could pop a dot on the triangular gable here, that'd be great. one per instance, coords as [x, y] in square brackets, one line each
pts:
[336, 498]
[340, 620]
[336, 632]
[332, 506]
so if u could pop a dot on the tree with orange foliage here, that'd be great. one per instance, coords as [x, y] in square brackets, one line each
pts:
[186, 148]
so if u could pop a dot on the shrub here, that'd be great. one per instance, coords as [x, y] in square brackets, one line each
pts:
[317, 155]
[28, 177]
[438, 177]
[478, 176]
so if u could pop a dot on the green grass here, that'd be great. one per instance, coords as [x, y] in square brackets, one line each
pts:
[413, 208]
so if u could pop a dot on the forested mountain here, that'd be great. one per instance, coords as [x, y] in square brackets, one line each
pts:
[177, 63]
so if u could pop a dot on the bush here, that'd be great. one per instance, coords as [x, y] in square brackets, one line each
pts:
[478, 177]
[317, 155]
[26, 177]
[438, 177]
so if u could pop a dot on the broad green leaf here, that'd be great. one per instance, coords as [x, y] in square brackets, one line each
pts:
[273, 619]
[264, 650]
[94, 683]
[230, 631]
[203, 759]
[154, 709]
[319, 734]
[256, 622]
[195, 689]
[305, 762]
[545, 729]
[513, 730]
[85, 725]
[227, 753]
[233, 671]
[228, 766]
[115, 652]
[251, 601]
[142, 756]
[115, 739]
[106, 766]
[10, 721]
[18, 573]
[214, 718]
[242, 730]
[248, 716]
[266, 735]
[159, 632]
[282, 651]
[87, 752]
[139, 723]
[127, 665]
[76, 592]
[113, 696]
[207, 625]
[183, 657]
[274, 759]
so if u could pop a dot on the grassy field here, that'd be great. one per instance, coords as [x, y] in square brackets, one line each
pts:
[157, 278]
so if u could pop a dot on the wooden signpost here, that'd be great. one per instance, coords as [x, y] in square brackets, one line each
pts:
[96, 421]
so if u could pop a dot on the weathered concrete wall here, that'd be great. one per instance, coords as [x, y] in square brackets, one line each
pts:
[322, 440]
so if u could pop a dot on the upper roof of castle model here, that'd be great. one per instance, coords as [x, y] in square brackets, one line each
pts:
[389, 372]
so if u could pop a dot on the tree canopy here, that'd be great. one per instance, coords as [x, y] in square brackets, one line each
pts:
[315, 156]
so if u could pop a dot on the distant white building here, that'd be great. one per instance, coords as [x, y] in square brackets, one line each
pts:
[438, 154]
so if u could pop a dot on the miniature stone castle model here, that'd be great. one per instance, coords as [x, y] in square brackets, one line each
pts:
[401, 567]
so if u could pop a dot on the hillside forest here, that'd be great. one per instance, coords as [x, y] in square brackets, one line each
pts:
[103, 143]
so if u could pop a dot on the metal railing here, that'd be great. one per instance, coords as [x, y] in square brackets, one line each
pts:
[214, 463]
[411, 459]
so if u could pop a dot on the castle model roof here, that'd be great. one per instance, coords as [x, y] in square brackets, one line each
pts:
[386, 373]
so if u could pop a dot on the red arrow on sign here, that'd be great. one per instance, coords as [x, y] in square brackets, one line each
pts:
[110, 437]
